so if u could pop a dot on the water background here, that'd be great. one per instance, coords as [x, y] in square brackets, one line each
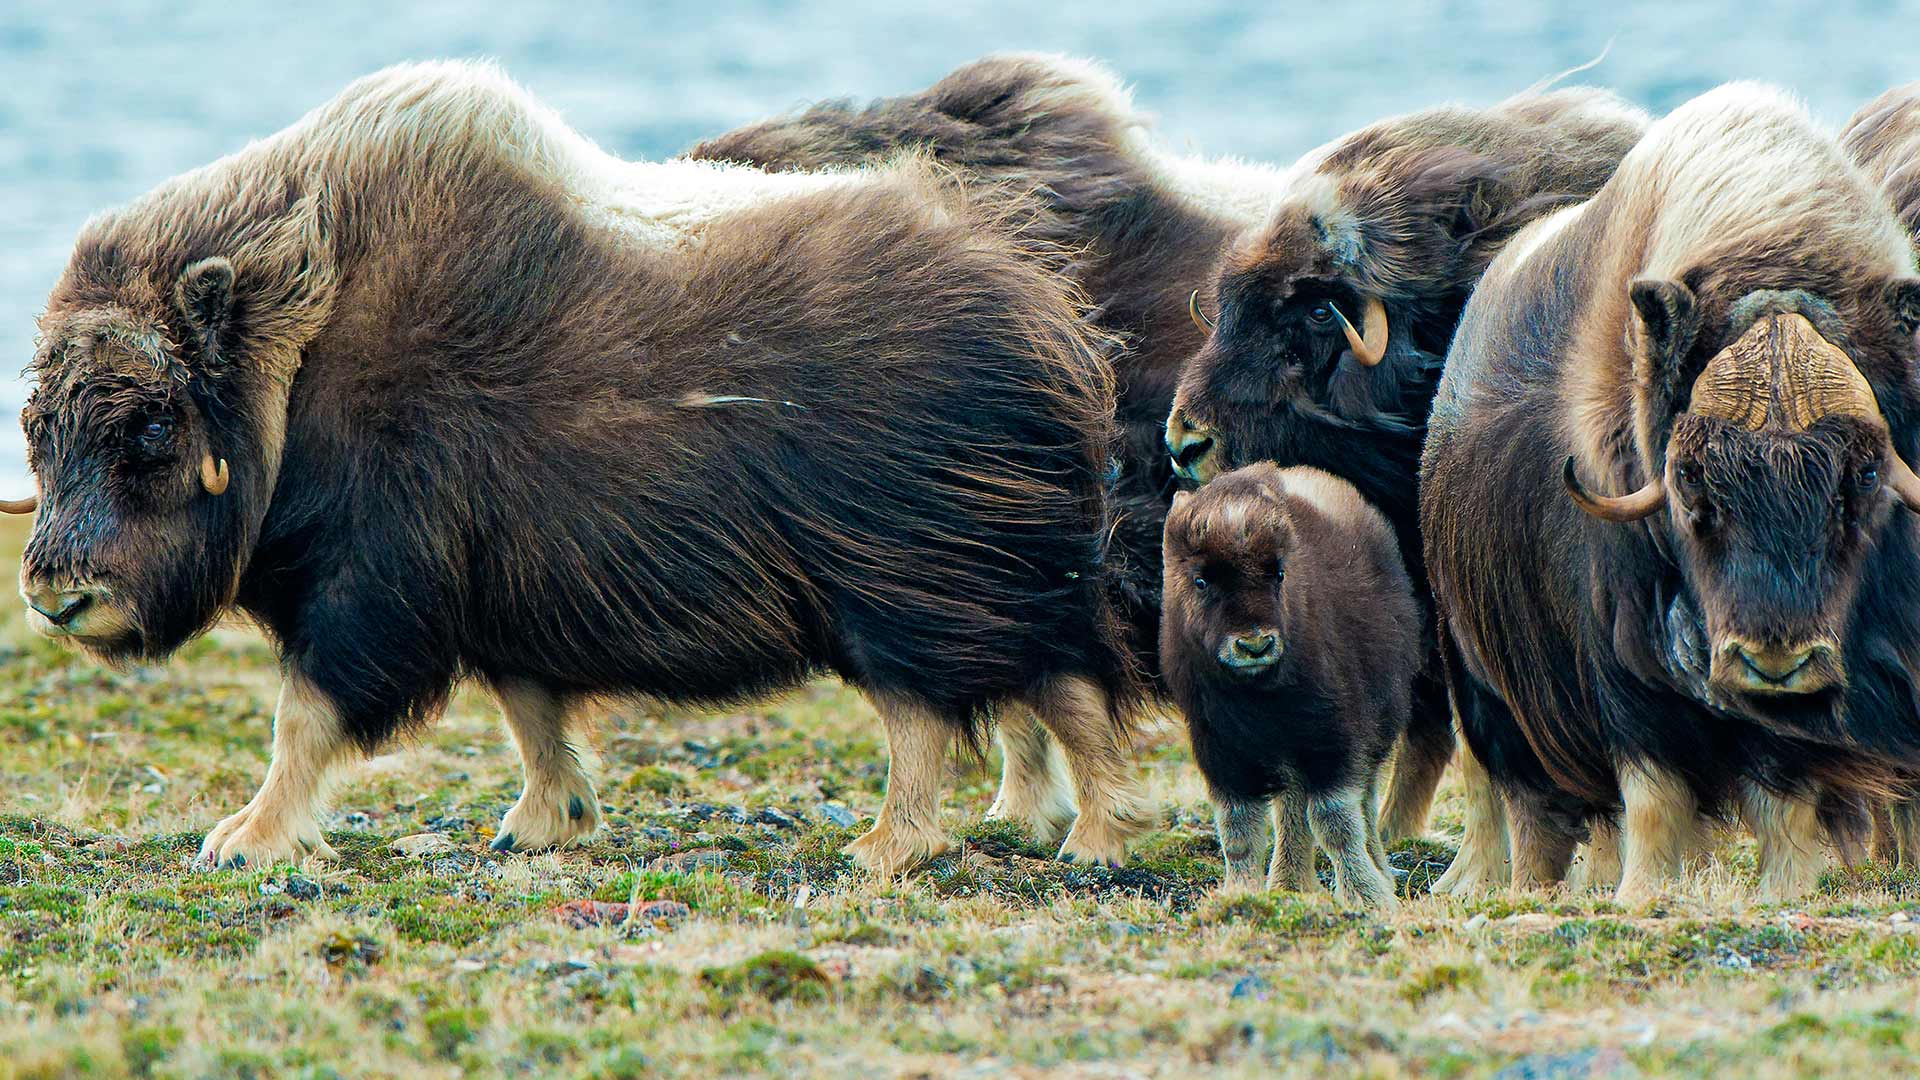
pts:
[101, 102]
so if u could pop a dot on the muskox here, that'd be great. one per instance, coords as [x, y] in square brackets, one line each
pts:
[1134, 226]
[1883, 138]
[432, 388]
[1329, 318]
[1666, 503]
[1291, 639]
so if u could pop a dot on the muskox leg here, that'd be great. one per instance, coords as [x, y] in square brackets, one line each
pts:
[907, 831]
[1034, 789]
[1339, 823]
[1375, 845]
[1106, 785]
[1420, 763]
[1659, 828]
[1292, 868]
[1481, 864]
[557, 807]
[1903, 827]
[1542, 849]
[1596, 865]
[282, 822]
[1792, 856]
[1246, 839]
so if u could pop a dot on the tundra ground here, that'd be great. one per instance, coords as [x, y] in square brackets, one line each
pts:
[766, 954]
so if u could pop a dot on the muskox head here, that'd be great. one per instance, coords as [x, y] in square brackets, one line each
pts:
[155, 427]
[1776, 471]
[1226, 570]
[1330, 311]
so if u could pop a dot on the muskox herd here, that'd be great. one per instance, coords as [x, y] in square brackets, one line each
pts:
[1572, 436]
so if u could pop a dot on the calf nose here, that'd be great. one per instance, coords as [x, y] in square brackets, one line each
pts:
[60, 606]
[1192, 447]
[1251, 651]
[1777, 664]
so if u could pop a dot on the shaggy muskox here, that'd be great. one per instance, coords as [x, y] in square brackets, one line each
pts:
[1136, 227]
[1291, 639]
[1724, 333]
[1883, 138]
[432, 388]
[1333, 313]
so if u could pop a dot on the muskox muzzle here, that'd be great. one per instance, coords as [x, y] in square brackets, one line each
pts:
[1194, 447]
[1772, 668]
[1251, 653]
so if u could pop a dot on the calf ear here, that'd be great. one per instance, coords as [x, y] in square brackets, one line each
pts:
[204, 294]
[1904, 297]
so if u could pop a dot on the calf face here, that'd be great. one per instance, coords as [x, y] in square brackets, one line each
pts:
[1226, 576]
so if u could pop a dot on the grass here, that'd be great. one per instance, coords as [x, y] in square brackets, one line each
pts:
[115, 960]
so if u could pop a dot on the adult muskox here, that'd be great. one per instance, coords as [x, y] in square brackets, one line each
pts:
[1883, 138]
[1724, 332]
[1333, 314]
[431, 387]
[1134, 226]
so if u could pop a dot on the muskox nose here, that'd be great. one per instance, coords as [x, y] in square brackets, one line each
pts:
[1801, 668]
[60, 606]
[1193, 448]
[1251, 652]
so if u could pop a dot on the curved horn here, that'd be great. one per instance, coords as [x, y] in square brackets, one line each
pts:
[1619, 509]
[1902, 481]
[213, 477]
[20, 506]
[1193, 309]
[1370, 347]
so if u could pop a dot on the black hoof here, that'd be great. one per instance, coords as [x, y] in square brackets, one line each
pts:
[576, 809]
[503, 842]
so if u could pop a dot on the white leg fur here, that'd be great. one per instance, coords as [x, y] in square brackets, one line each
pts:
[1034, 787]
[558, 807]
[1106, 785]
[1792, 854]
[1482, 863]
[907, 831]
[282, 822]
[1246, 839]
[1292, 867]
[1596, 866]
[1659, 829]
[1339, 823]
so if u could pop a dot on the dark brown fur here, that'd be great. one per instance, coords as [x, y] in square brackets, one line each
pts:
[472, 433]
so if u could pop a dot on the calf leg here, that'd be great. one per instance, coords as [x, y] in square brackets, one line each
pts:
[281, 822]
[558, 807]
[1292, 868]
[1106, 785]
[1658, 830]
[1376, 846]
[1339, 823]
[1791, 853]
[1596, 867]
[1034, 789]
[1246, 838]
[907, 831]
[1421, 762]
[1542, 848]
[1481, 864]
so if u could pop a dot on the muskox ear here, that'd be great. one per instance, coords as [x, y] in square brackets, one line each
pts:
[1903, 295]
[204, 294]
[1668, 318]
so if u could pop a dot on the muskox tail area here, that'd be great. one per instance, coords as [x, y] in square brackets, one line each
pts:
[1060, 128]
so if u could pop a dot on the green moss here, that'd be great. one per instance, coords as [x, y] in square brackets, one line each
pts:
[774, 976]
[450, 1029]
[1439, 979]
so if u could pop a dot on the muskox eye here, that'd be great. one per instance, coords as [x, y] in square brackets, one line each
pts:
[157, 430]
[1691, 474]
[1320, 314]
[1867, 478]
[1199, 583]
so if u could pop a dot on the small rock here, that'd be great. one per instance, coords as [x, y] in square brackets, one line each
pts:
[736, 814]
[447, 823]
[1899, 916]
[839, 815]
[1250, 986]
[420, 845]
[268, 888]
[776, 817]
[301, 889]
[683, 862]
[1475, 923]
[356, 822]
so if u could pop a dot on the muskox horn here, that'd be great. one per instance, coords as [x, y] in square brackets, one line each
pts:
[1615, 508]
[1371, 347]
[1193, 309]
[213, 477]
[20, 506]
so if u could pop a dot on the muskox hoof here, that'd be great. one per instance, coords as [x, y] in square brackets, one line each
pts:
[1048, 823]
[549, 820]
[251, 838]
[889, 852]
[1093, 847]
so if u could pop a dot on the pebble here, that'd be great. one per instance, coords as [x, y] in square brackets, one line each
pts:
[301, 889]
[681, 862]
[776, 817]
[1475, 923]
[356, 822]
[839, 815]
[1250, 986]
[422, 844]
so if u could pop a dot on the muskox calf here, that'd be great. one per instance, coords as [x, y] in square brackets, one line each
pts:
[432, 388]
[1291, 638]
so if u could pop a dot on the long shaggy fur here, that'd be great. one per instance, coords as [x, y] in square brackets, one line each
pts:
[1883, 138]
[497, 404]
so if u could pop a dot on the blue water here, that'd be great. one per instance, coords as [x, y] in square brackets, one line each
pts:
[98, 103]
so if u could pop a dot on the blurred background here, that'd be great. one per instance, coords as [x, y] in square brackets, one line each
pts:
[99, 103]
